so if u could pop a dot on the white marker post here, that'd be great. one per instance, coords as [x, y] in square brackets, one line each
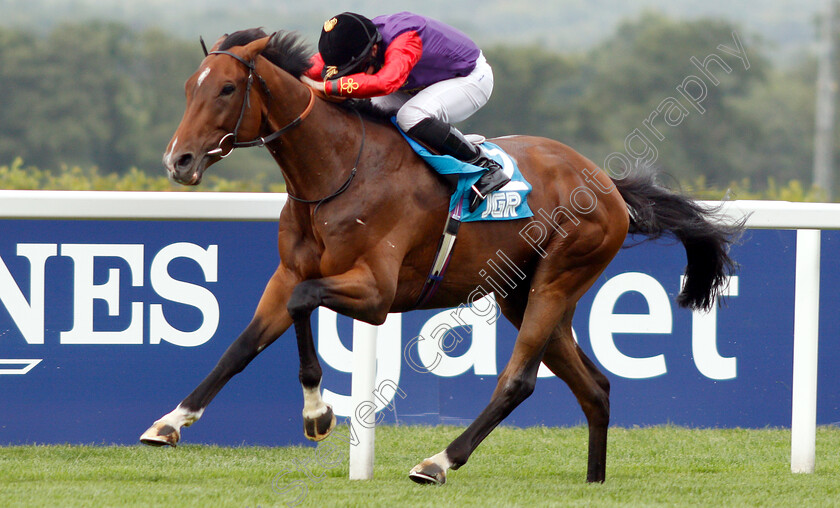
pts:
[803, 426]
[363, 418]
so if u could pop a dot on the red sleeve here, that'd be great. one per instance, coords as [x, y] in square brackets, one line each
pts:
[314, 72]
[400, 58]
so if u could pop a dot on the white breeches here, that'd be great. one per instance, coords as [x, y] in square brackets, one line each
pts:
[450, 101]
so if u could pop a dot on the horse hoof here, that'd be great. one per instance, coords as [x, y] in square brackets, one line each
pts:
[428, 473]
[161, 434]
[318, 428]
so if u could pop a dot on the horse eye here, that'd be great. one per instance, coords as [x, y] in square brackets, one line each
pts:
[228, 89]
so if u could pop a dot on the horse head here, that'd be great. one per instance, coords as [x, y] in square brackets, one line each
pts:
[222, 108]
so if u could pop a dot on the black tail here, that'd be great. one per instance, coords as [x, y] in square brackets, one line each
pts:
[656, 211]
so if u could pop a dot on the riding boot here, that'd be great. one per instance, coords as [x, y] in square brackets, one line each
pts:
[447, 140]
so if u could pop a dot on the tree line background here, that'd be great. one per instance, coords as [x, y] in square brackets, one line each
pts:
[101, 100]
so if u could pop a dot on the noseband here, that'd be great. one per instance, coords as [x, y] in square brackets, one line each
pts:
[246, 103]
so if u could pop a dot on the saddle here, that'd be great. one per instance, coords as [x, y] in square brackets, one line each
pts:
[508, 203]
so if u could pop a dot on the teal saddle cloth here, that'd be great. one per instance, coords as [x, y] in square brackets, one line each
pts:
[508, 203]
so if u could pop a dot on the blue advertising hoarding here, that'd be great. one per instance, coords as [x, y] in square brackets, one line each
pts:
[106, 325]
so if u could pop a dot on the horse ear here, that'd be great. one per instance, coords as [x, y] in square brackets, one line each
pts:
[256, 47]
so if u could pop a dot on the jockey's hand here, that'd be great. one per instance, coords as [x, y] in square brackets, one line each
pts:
[320, 87]
[317, 85]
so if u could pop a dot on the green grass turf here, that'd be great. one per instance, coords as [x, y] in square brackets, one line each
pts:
[656, 466]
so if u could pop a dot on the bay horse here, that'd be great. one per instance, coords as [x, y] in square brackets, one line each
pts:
[359, 234]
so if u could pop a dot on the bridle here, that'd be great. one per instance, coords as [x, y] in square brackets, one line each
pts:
[262, 141]
[246, 103]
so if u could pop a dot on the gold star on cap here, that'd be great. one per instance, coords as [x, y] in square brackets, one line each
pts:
[330, 24]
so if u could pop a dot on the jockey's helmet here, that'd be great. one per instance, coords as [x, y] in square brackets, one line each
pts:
[346, 44]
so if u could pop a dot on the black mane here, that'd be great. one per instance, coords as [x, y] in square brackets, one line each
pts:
[242, 37]
[285, 49]
[289, 51]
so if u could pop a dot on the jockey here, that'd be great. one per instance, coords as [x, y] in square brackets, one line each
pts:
[427, 73]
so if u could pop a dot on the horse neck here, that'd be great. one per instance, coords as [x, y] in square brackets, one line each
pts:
[317, 156]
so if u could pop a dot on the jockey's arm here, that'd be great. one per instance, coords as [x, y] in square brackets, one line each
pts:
[314, 72]
[400, 58]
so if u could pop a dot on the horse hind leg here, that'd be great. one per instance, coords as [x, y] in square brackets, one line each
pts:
[592, 390]
[515, 384]
[568, 362]
[557, 285]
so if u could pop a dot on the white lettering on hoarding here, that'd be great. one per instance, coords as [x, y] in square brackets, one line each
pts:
[439, 336]
[704, 340]
[85, 292]
[183, 292]
[28, 316]
[441, 333]
[444, 330]
[603, 323]
[339, 357]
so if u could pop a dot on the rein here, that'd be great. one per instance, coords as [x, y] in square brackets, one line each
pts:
[262, 141]
[346, 183]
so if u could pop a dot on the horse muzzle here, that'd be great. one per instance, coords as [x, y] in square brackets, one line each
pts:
[185, 168]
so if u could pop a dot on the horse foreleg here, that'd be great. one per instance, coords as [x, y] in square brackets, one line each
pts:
[592, 390]
[318, 416]
[270, 320]
[354, 294]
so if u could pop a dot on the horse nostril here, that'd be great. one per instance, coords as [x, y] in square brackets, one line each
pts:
[184, 161]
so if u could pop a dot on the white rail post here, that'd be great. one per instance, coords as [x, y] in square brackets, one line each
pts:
[803, 426]
[363, 418]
